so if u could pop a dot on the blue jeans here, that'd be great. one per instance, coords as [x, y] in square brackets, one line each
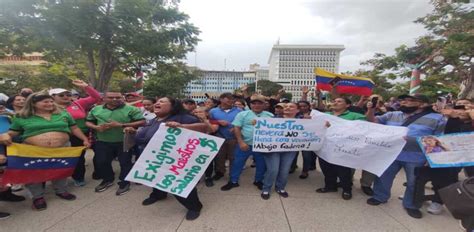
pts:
[383, 184]
[240, 157]
[278, 167]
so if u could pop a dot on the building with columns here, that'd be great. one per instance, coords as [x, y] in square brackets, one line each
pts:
[293, 65]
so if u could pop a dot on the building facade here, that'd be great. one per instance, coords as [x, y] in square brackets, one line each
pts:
[214, 83]
[293, 65]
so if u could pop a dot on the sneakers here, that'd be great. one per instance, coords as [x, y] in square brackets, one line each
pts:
[9, 196]
[346, 195]
[104, 185]
[259, 184]
[39, 204]
[17, 187]
[124, 187]
[414, 213]
[435, 208]
[282, 193]
[373, 201]
[192, 215]
[265, 195]
[367, 190]
[325, 190]
[229, 186]
[79, 183]
[66, 196]
[218, 176]
[209, 182]
[4, 215]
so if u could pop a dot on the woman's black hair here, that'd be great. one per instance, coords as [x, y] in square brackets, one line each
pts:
[153, 100]
[11, 99]
[176, 106]
[304, 102]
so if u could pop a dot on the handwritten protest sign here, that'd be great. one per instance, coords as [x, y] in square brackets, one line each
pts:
[283, 134]
[174, 160]
[451, 150]
[360, 144]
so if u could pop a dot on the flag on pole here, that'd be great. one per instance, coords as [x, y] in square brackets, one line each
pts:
[27, 164]
[346, 84]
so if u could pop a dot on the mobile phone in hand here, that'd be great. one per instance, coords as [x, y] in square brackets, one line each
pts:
[375, 100]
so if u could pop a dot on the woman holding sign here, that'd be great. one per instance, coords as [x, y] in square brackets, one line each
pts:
[279, 163]
[171, 112]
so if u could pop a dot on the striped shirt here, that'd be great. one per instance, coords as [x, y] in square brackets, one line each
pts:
[429, 124]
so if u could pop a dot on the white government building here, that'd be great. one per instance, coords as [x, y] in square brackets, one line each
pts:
[293, 65]
[289, 65]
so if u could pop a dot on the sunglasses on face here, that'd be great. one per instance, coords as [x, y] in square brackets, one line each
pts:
[64, 94]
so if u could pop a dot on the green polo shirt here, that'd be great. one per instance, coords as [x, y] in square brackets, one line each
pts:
[35, 125]
[123, 114]
[245, 120]
[348, 115]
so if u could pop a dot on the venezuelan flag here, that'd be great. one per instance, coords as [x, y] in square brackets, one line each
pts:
[28, 164]
[348, 84]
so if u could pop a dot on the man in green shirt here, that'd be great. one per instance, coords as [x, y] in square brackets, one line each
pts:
[331, 171]
[109, 121]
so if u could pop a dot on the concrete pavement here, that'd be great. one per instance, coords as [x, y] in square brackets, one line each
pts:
[240, 209]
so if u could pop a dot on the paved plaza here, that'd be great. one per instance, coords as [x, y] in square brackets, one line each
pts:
[240, 209]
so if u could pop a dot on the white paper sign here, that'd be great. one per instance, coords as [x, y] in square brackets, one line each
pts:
[360, 144]
[451, 150]
[288, 134]
[174, 160]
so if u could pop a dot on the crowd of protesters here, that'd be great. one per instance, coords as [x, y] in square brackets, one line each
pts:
[60, 117]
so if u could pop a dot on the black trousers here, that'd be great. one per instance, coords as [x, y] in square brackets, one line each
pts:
[210, 169]
[80, 169]
[439, 177]
[191, 203]
[105, 154]
[332, 172]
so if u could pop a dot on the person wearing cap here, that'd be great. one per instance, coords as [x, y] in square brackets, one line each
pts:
[279, 110]
[224, 115]
[416, 114]
[244, 124]
[189, 105]
[78, 110]
[109, 121]
[134, 99]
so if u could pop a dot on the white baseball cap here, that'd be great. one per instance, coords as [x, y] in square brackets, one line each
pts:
[57, 91]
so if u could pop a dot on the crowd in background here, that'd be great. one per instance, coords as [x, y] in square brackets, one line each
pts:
[101, 121]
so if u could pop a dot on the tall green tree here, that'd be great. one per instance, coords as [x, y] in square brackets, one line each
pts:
[169, 80]
[451, 36]
[107, 34]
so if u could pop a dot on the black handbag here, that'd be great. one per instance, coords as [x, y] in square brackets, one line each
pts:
[459, 198]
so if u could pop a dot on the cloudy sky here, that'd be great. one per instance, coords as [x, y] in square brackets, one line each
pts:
[243, 31]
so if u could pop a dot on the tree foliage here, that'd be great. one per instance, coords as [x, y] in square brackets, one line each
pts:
[170, 80]
[106, 34]
[451, 35]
